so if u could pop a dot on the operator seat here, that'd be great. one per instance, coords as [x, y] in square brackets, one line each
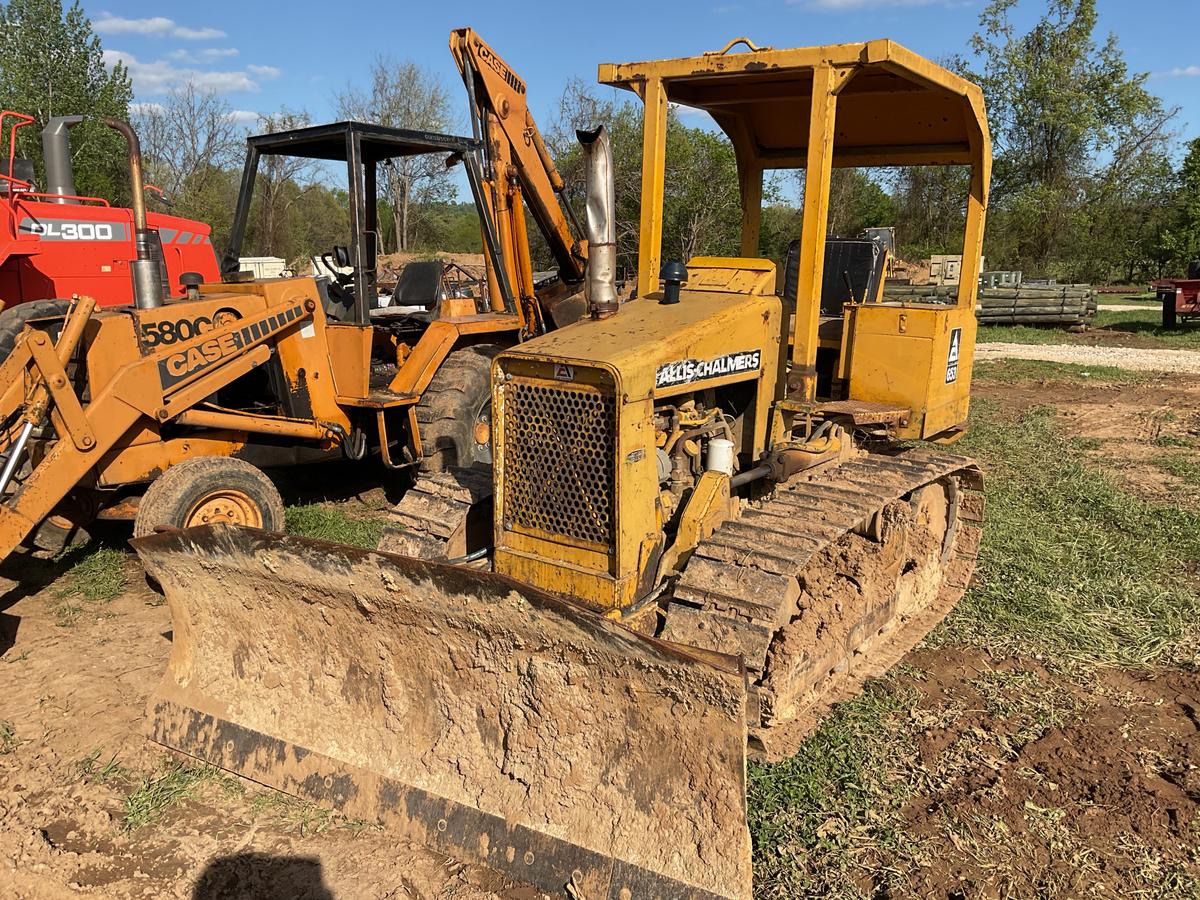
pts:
[420, 284]
[853, 271]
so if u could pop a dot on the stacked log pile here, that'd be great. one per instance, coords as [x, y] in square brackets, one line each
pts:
[1056, 304]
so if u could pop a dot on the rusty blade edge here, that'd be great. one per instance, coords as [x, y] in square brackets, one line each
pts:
[444, 825]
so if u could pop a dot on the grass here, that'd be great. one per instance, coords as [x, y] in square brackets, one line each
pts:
[8, 737]
[92, 769]
[295, 813]
[331, 523]
[98, 576]
[1010, 371]
[813, 815]
[1184, 466]
[172, 785]
[1073, 570]
[1073, 567]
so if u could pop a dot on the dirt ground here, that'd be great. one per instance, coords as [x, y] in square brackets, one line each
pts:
[1127, 425]
[1072, 808]
[76, 697]
[1123, 768]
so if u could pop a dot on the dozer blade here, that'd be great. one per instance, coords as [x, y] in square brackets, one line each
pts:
[491, 721]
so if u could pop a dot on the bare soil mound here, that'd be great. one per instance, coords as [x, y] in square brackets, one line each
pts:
[1092, 785]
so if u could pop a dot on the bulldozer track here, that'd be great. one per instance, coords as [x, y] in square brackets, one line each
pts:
[433, 514]
[743, 585]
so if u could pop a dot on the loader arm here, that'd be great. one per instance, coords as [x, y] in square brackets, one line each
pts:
[159, 386]
[520, 170]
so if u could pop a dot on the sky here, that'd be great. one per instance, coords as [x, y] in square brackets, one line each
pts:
[262, 56]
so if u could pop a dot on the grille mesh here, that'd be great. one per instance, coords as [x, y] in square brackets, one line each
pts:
[559, 460]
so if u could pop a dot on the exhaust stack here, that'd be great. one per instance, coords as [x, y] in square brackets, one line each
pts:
[56, 149]
[149, 271]
[601, 224]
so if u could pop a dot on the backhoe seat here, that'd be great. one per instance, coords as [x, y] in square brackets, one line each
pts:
[420, 284]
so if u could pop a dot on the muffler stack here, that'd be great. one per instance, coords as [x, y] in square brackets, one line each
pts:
[148, 268]
[601, 224]
[486, 719]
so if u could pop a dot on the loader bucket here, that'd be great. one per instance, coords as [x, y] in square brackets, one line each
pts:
[486, 719]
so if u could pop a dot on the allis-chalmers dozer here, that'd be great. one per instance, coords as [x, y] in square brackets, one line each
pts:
[706, 530]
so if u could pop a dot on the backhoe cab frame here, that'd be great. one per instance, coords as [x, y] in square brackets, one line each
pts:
[363, 148]
[887, 106]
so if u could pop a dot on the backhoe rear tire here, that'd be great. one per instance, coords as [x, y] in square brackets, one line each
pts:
[455, 410]
[208, 491]
[13, 320]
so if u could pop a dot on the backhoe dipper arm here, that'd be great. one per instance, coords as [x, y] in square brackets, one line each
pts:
[502, 119]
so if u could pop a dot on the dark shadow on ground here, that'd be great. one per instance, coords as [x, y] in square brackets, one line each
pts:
[340, 480]
[1138, 327]
[32, 572]
[260, 876]
[8, 632]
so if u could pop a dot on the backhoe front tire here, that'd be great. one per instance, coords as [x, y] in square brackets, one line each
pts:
[455, 411]
[208, 491]
[14, 319]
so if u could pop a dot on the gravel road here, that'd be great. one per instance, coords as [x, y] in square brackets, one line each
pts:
[1125, 307]
[1121, 357]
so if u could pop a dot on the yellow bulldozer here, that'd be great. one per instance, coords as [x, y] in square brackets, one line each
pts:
[708, 527]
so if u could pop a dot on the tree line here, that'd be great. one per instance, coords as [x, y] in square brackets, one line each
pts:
[1091, 181]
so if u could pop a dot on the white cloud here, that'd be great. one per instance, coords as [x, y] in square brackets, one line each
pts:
[155, 26]
[141, 109]
[682, 110]
[197, 34]
[161, 75]
[245, 116]
[208, 54]
[1182, 72]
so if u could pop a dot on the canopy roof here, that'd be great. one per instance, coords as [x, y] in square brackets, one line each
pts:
[377, 142]
[893, 106]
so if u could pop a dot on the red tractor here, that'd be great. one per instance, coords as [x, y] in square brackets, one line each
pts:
[55, 243]
[1180, 297]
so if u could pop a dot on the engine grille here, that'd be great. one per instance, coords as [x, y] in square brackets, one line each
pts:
[559, 460]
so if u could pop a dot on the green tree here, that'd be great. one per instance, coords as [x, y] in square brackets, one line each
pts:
[701, 199]
[405, 95]
[1181, 241]
[51, 64]
[1069, 123]
[191, 149]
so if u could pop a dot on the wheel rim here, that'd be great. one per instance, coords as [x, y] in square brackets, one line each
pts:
[225, 507]
[481, 434]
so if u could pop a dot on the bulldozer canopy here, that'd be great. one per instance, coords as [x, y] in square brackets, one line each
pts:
[893, 106]
[866, 104]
